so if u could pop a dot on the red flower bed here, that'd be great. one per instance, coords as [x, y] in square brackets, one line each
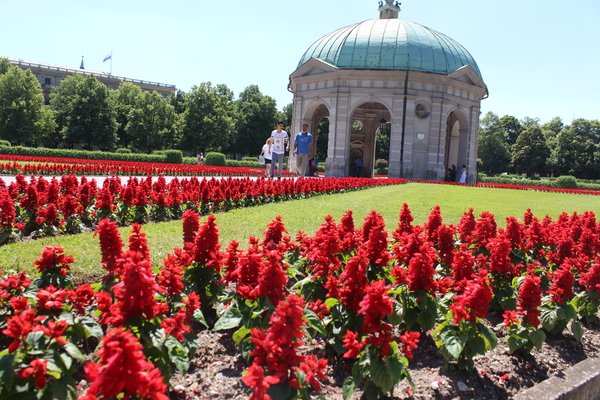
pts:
[369, 297]
[38, 207]
[60, 166]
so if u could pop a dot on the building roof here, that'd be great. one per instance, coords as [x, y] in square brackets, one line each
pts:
[391, 44]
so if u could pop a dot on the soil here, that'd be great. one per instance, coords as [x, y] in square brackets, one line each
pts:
[218, 365]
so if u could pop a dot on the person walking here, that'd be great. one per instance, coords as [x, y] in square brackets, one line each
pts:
[280, 145]
[302, 150]
[266, 153]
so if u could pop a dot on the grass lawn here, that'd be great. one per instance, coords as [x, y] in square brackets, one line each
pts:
[307, 215]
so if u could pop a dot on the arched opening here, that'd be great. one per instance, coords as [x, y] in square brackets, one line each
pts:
[366, 121]
[456, 146]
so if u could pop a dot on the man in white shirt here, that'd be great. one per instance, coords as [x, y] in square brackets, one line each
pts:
[280, 145]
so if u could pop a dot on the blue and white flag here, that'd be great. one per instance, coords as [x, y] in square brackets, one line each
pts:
[108, 57]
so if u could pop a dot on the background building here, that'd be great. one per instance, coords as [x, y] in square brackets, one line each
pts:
[51, 76]
[388, 71]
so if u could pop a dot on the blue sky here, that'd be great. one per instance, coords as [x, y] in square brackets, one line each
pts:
[538, 58]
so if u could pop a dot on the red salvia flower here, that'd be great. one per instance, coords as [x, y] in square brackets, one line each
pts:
[19, 326]
[562, 284]
[171, 275]
[111, 246]
[485, 228]
[410, 340]
[354, 280]
[500, 261]
[135, 293]
[191, 225]
[274, 232]
[259, 383]
[207, 245]
[272, 278]
[463, 263]
[514, 232]
[313, 369]
[53, 257]
[123, 369]
[176, 326]
[37, 370]
[351, 343]
[51, 298]
[591, 279]
[7, 210]
[404, 223]
[421, 270]
[530, 299]
[466, 227]
[434, 221]
[445, 237]
[138, 242]
[376, 243]
[510, 317]
[474, 301]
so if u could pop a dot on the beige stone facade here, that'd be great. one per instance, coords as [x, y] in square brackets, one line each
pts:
[440, 125]
[51, 76]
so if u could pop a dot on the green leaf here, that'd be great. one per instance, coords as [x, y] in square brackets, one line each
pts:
[331, 302]
[548, 318]
[240, 334]
[576, 329]
[515, 343]
[454, 343]
[230, 319]
[537, 338]
[490, 337]
[569, 311]
[396, 369]
[314, 321]
[92, 327]
[382, 377]
[348, 388]
[426, 320]
[36, 340]
[477, 344]
[74, 351]
[6, 369]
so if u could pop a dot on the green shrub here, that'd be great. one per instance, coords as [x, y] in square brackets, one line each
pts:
[566, 182]
[123, 150]
[4, 143]
[381, 166]
[252, 163]
[81, 154]
[248, 158]
[215, 159]
[174, 156]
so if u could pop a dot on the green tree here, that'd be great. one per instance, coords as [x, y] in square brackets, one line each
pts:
[530, 152]
[208, 119]
[177, 100]
[152, 123]
[528, 122]
[285, 115]
[577, 150]
[124, 100]
[493, 150]
[512, 128]
[257, 116]
[5, 65]
[323, 139]
[92, 120]
[382, 147]
[23, 118]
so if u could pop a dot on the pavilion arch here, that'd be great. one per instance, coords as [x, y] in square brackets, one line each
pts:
[457, 141]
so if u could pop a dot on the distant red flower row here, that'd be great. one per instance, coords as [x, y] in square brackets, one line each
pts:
[59, 166]
[518, 187]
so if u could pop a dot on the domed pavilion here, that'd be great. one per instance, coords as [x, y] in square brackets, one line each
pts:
[386, 71]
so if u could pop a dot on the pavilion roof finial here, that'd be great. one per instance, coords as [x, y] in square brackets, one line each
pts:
[389, 10]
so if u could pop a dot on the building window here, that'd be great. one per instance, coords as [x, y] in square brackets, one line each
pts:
[357, 126]
[422, 110]
[47, 81]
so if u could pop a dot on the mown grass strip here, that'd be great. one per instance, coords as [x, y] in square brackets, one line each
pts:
[307, 215]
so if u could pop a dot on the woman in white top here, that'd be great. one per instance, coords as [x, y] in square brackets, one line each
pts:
[463, 176]
[266, 152]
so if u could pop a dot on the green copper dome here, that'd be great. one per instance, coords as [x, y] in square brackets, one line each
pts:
[391, 44]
